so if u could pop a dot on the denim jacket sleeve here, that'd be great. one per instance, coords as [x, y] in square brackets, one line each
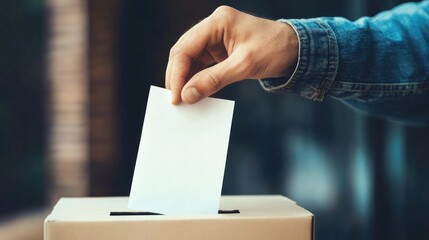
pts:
[376, 64]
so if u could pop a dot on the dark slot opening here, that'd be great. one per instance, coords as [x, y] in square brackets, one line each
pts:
[133, 213]
[235, 211]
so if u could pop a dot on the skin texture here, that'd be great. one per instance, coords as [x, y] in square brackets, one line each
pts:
[226, 47]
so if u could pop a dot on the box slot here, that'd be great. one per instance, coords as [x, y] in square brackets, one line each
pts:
[234, 211]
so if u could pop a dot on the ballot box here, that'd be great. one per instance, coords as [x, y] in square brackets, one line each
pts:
[240, 217]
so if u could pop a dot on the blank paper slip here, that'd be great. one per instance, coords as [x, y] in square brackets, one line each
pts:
[182, 155]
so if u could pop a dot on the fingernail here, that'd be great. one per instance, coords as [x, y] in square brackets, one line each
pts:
[192, 95]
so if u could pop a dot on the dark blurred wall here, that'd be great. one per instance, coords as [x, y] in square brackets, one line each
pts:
[22, 160]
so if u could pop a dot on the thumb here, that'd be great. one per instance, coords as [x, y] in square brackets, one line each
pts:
[212, 79]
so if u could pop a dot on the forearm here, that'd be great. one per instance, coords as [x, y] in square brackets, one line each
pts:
[337, 54]
[366, 61]
[384, 54]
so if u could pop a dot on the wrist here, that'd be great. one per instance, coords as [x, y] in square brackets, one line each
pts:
[292, 43]
[288, 47]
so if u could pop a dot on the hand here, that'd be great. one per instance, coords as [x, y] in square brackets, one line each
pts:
[226, 47]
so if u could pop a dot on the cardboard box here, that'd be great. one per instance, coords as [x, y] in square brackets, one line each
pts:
[259, 217]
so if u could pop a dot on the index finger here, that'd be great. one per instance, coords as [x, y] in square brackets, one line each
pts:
[189, 47]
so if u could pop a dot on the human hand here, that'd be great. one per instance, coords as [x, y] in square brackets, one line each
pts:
[226, 47]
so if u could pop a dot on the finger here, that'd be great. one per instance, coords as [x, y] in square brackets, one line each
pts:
[198, 38]
[197, 65]
[168, 69]
[206, 59]
[181, 66]
[189, 47]
[212, 79]
[170, 64]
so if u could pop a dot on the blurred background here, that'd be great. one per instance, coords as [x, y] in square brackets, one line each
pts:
[74, 79]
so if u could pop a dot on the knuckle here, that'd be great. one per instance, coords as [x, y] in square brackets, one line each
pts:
[212, 82]
[223, 9]
[178, 55]
[178, 49]
[224, 13]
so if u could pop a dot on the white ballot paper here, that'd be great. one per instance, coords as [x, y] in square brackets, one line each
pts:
[182, 155]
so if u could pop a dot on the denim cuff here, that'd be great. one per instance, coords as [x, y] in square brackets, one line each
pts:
[317, 61]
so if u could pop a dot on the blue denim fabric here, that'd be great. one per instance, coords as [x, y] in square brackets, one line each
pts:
[376, 64]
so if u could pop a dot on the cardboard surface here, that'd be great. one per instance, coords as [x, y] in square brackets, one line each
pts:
[260, 217]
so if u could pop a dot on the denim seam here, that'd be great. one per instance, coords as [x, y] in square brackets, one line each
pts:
[380, 87]
[311, 84]
[333, 55]
[310, 79]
